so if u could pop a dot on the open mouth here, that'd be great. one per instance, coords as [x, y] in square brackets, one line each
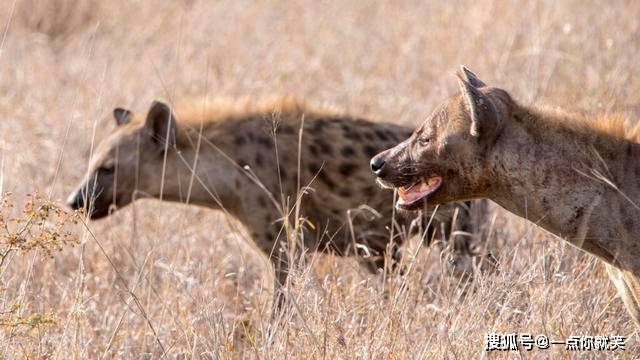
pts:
[411, 195]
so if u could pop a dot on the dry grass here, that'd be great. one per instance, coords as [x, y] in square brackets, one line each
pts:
[163, 273]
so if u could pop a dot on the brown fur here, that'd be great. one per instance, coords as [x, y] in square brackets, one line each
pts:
[247, 165]
[575, 175]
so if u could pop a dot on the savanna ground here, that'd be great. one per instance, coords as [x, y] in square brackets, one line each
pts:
[165, 279]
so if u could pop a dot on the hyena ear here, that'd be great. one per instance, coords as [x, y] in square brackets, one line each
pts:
[470, 77]
[162, 123]
[122, 116]
[481, 109]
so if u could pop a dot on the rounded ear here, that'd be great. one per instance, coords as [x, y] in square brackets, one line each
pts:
[481, 109]
[162, 123]
[122, 116]
[470, 77]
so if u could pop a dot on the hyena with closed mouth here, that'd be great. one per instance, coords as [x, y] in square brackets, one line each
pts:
[576, 176]
[244, 159]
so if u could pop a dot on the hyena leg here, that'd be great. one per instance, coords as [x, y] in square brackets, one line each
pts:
[266, 235]
[390, 255]
[628, 286]
[282, 260]
[281, 265]
[381, 250]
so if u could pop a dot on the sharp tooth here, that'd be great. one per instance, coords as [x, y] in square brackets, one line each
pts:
[424, 186]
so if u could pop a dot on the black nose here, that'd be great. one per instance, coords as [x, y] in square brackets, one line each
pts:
[377, 164]
[77, 202]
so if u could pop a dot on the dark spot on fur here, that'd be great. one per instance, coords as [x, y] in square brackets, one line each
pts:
[350, 132]
[369, 191]
[270, 237]
[344, 192]
[313, 169]
[286, 130]
[239, 140]
[283, 172]
[264, 141]
[324, 147]
[369, 151]
[318, 124]
[579, 213]
[347, 151]
[381, 135]
[250, 137]
[351, 135]
[326, 179]
[347, 169]
[313, 150]
[368, 136]
[517, 117]
[259, 160]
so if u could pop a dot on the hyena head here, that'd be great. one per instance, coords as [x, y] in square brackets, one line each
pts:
[442, 161]
[127, 162]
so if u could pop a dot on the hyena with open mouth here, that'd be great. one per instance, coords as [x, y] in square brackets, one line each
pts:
[241, 156]
[576, 176]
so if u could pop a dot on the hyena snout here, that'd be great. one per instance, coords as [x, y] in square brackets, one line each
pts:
[393, 169]
[76, 200]
[96, 206]
[384, 165]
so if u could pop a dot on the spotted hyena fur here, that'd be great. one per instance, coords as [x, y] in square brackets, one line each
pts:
[248, 162]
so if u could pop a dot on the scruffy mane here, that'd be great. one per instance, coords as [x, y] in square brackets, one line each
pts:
[220, 109]
[210, 115]
[612, 124]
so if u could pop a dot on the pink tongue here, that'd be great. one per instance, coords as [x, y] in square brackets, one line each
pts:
[413, 194]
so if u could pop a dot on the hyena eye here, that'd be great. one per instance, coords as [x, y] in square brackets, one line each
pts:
[423, 140]
[106, 169]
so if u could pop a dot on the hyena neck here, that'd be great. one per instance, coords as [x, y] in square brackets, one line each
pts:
[546, 172]
[197, 180]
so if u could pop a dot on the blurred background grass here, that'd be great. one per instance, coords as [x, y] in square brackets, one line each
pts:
[65, 64]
